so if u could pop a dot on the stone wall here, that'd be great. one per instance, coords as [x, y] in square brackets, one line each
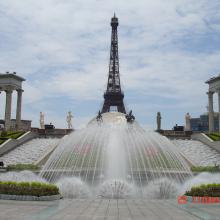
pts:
[25, 125]
[59, 133]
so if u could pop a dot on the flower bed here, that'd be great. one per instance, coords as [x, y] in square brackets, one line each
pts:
[20, 167]
[28, 189]
[212, 190]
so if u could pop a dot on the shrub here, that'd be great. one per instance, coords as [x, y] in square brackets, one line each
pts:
[212, 190]
[14, 134]
[214, 136]
[205, 169]
[28, 188]
[20, 167]
[1, 141]
[5, 135]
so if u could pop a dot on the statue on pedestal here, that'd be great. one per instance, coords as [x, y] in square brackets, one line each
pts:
[42, 120]
[159, 121]
[130, 117]
[187, 120]
[99, 117]
[69, 120]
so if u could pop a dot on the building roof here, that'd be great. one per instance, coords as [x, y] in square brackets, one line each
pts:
[213, 79]
[11, 75]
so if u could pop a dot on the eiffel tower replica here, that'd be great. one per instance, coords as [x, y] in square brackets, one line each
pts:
[114, 95]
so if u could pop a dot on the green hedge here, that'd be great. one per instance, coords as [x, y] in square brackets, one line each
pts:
[28, 188]
[11, 134]
[20, 167]
[205, 169]
[5, 135]
[214, 136]
[212, 190]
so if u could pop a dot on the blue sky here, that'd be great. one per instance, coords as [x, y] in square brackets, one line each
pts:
[167, 50]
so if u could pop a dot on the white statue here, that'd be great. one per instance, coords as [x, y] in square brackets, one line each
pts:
[41, 120]
[69, 120]
[187, 120]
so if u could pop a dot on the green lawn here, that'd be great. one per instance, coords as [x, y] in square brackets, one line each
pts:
[214, 136]
[4, 136]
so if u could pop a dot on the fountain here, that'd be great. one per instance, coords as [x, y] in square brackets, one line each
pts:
[115, 155]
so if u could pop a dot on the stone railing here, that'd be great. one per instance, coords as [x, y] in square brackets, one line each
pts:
[176, 134]
[56, 132]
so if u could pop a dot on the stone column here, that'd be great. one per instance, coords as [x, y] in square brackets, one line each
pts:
[18, 110]
[8, 109]
[219, 110]
[211, 113]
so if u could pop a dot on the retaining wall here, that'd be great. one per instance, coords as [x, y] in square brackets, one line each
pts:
[206, 140]
[30, 198]
[11, 144]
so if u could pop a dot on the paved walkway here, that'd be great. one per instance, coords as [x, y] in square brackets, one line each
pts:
[98, 209]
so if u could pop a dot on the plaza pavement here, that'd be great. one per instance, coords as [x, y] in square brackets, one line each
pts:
[97, 209]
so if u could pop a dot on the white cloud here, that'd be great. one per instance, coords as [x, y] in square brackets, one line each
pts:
[62, 48]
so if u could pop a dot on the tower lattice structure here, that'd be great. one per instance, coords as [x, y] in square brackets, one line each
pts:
[114, 95]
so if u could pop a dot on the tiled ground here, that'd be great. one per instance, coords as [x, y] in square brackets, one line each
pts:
[106, 209]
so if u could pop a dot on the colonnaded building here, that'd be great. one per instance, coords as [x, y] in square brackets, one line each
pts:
[209, 121]
[9, 83]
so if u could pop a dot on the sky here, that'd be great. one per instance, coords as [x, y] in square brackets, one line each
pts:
[167, 50]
